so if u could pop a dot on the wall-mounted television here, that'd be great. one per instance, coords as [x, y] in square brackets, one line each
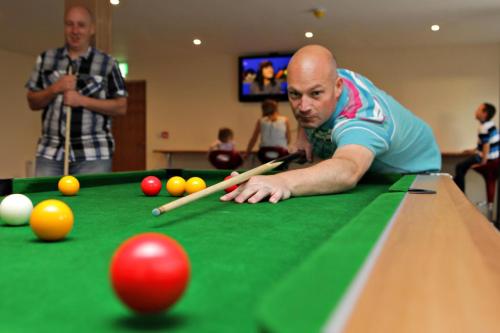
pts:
[263, 76]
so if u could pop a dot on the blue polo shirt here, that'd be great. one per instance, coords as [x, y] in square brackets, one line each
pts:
[369, 117]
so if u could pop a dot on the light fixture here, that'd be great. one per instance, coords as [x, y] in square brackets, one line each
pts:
[114, 2]
[435, 27]
[197, 41]
[309, 34]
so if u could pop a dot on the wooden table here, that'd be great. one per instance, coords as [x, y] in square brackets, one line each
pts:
[438, 270]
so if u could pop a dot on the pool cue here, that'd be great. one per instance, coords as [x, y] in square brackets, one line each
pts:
[68, 131]
[228, 183]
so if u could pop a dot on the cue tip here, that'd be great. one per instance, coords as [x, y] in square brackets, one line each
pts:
[156, 212]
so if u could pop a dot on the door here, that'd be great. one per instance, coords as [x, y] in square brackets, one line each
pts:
[130, 131]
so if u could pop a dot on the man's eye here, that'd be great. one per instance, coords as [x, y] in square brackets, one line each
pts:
[293, 94]
[316, 93]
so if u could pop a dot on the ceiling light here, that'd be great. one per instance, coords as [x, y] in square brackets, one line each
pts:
[435, 27]
[114, 2]
[196, 41]
[309, 34]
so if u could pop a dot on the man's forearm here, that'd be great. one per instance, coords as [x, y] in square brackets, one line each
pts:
[38, 100]
[334, 175]
[109, 107]
[337, 174]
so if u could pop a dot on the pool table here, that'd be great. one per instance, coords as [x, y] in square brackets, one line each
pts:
[376, 258]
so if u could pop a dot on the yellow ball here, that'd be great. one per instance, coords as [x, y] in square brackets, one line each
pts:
[51, 220]
[195, 184]
[68, 185]
[176, 186]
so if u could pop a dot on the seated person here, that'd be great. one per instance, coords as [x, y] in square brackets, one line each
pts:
[225, 140]
[222, 153]
[487, 144]
[350, 123]
[273, 129]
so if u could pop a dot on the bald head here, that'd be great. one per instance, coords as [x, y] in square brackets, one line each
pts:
[313, 60]
[313, 85]
[81, 10]
[79, 30]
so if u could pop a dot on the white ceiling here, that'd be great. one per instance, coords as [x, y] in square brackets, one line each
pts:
[157, 27]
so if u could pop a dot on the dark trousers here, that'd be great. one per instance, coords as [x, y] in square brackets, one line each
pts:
[462, 168]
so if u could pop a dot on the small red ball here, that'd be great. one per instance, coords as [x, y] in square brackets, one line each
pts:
[149, 272]
[231, 188]
[151, 186]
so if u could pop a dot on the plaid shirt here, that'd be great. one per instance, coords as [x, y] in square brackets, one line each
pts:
[98, 77]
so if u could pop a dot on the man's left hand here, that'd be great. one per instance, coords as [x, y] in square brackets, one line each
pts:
[258, 188]
[72, 98]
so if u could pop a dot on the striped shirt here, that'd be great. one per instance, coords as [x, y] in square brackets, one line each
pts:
[369, 117]
[98, 77]
[488, 134]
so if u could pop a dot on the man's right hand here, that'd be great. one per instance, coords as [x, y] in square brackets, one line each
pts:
[65, 83]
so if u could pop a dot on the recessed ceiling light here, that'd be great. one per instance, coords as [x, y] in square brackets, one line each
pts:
[196, 41]
[114, 2]
[309, 34]
[435, 27]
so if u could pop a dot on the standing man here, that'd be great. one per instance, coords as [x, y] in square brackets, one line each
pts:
[95, 92]
[348, 121]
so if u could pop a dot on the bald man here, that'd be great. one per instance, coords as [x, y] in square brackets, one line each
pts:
[349, 122]
[95, 92]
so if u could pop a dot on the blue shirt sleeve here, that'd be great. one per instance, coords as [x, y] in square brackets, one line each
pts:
[364, 133]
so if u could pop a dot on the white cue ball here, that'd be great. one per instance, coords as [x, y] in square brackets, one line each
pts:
[15, 209]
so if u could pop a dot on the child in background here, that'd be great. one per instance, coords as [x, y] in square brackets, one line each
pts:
[273, 129]
[487, 144]
[225, 140]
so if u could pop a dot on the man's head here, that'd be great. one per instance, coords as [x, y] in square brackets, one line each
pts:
[78, 28]
[485, 112]
[313, 85]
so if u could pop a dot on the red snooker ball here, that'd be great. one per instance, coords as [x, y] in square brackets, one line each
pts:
[149, 272]
[151, 186]
[230, 188]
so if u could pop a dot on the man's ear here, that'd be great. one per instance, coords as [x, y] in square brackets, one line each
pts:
[339, 85]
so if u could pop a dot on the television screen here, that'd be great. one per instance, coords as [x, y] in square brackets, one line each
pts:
[263, 76]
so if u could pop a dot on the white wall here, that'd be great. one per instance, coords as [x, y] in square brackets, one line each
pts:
[19, 127]
[192, 94]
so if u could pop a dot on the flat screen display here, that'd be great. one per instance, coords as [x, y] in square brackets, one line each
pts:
[262, 77]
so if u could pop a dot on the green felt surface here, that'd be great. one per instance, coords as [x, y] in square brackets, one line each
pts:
[238, 254]
[403, 184]
[305, 300]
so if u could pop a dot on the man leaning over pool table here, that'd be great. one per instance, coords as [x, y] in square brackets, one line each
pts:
[348, 121]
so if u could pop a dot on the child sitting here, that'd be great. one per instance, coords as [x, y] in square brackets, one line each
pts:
[225, 140]
[487, 145]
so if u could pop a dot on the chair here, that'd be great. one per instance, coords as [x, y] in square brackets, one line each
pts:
[267, 154]
[225, 159]
[490, 172]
